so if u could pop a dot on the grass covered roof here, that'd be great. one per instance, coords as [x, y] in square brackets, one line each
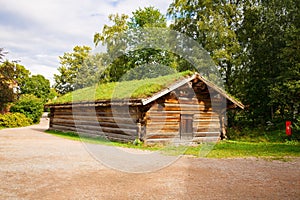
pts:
[135, 89]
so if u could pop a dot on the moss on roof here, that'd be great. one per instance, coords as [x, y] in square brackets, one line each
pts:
[135, 89]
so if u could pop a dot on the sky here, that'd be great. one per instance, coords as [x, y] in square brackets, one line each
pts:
[37, 32]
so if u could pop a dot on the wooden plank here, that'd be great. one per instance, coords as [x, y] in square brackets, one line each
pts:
[189, 109]
[173, 114]
[162, 130]
[162, 135]
[109, 124]
[96, 132]
[109, 136]
[62, 113]
[119, 131]
[96, 110]
[117, 119]
[206, 134]
[95, 124]
[162, 120]
[59, 120]
[207, 129]
[122, 131]
[166, 112]
[204, 120]
[208, 124]
[153, 123]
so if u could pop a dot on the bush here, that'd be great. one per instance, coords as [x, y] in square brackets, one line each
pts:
[31, 106]
[11, 120]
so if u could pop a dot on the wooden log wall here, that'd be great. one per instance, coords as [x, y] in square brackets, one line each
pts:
[164, 118]
[117, 124]
[159, 121]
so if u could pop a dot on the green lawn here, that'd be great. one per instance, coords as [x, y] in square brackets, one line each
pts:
[232, 149]
[99, 140]
[223, 149]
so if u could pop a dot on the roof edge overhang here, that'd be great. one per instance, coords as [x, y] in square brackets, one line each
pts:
[114, 102]
[168, 89]
[222, 92]
[186, 80]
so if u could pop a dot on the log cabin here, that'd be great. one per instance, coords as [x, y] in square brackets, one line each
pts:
[187, 108]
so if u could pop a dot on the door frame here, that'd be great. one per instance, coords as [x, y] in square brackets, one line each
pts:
[186, 126]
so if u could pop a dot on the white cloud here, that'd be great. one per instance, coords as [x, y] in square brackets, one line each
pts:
[37, 32]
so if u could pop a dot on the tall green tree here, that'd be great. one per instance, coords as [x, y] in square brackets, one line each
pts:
[128, 33]
[11, 79]
[214, 25]
[270, 38]
[92, 71]
[71, 63]
[147, 17]
[7, 84]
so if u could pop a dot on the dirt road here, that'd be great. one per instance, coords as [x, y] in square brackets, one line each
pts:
[36, 165]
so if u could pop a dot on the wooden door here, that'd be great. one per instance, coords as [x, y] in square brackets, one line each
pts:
[186, 126]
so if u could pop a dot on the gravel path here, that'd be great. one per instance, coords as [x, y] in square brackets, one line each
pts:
[36, 165]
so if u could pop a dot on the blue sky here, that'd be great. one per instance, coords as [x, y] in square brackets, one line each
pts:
[37, 32]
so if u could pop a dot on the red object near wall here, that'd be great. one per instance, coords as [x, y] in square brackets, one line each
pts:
[288, 129]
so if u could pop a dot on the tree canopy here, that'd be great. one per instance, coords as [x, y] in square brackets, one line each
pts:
[37, 85]
[124, 34]
[12, 76]
[255, 45]
[270, 38]
[15, 80]
[70, 66]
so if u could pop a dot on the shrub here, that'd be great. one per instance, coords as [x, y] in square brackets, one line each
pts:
[10, 120]
[296, 129]
[29, 105]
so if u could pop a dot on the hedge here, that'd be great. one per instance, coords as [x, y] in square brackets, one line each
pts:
[31, 106]
[11, 120]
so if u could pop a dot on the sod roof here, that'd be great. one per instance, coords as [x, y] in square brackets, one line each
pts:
[135, 89]
[139, 92]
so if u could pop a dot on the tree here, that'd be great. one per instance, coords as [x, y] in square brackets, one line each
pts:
[126, 33]
[53, 94]
[214, 25]
[11, 78]
[70, 65]
[29, 105]
[37, 85]
[147, 17]
[7, 84]
[92, 71]
[270, 38]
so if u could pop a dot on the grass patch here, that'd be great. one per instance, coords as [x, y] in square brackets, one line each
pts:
[99, 140]
[223, 149]
[233, 149]
[121, 90]
[261, 135]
